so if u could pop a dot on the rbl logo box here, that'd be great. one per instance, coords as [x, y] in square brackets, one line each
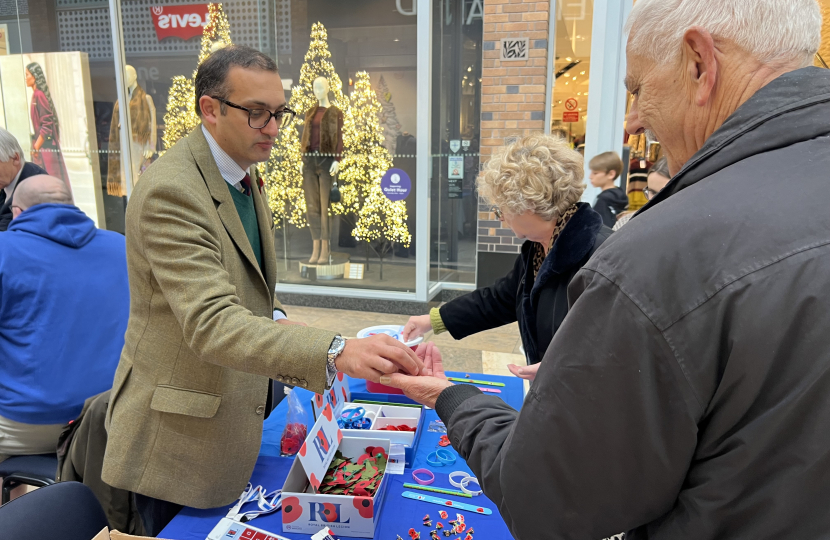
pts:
[306, 511]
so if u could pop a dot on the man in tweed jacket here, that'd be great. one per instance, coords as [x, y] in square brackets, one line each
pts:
[185, 417]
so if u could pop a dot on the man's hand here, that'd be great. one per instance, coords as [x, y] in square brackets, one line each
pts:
[425, 389]
[416, 327]
[369, 358]
[524, 372]
[286, 321]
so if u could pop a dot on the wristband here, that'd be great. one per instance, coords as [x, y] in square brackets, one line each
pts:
[433, 461]
[421, 481]
[445, 457]
[463, 476]
[466, 482]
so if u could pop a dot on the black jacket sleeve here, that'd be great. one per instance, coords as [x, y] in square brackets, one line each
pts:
[602, 208]
[5, 218]
[485, 308]
[606, 434]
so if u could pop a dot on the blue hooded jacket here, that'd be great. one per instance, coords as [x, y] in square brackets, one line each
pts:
[64, 304]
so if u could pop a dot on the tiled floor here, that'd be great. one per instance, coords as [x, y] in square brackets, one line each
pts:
[486, 352]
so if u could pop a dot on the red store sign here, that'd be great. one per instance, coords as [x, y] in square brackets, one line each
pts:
[183, 21]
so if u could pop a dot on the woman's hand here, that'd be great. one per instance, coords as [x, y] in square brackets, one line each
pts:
[416, 327]
[426, 388]
[524, 372]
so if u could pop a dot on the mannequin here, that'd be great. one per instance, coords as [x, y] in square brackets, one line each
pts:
[144, 134]
[322, 146]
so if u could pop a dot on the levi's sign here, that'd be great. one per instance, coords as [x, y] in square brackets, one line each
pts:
[184, 21]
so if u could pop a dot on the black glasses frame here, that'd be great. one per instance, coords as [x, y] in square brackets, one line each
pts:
[283, 116]
[649, 193]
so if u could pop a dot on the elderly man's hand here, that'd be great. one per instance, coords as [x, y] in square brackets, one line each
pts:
[369, 358]
[425, 389]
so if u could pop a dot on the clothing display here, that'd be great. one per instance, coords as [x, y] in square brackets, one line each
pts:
[317, 182]
[538, 303]
[143, 125]
[684, 396]
[322, 134]
[45, 125]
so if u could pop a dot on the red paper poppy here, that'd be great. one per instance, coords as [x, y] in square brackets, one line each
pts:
[365, 506]
[291, 510]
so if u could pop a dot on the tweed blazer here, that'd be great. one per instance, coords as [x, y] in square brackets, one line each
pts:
[185, 417]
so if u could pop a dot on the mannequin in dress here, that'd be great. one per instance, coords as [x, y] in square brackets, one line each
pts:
[46, 146]
[144, 134]
[322, 146]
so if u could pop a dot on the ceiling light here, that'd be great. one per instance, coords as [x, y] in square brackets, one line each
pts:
[579, 93]
[396, 39]
[582, 73]
[574, 78]
[566, 84]
[470, 68]
[568, 59]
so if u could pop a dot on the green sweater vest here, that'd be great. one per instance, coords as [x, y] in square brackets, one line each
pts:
[247, 214]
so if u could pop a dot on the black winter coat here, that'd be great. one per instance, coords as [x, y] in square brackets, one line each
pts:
[687, 394]
[540, 306]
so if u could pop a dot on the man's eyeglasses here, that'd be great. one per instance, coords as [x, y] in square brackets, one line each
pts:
[650, 193]
[259, 118]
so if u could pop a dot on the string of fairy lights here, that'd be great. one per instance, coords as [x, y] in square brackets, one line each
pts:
[362, 165]
[181, 118]
[364, 160]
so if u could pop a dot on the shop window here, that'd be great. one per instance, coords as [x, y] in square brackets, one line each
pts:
[58, 91]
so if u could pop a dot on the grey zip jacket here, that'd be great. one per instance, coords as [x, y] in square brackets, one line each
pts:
[687, 393]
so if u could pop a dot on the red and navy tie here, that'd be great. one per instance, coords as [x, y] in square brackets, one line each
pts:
[246, 185]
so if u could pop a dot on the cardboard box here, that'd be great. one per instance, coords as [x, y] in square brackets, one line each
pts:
[339, 397]
[304, 510]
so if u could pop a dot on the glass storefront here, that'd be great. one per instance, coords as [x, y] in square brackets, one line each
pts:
[571, 70]
[389, 96]
[456, 132]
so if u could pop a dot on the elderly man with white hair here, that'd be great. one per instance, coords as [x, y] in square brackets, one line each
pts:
[13, 170]
[685, 396]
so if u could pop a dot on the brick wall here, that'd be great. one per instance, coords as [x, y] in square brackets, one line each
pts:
[513, 95]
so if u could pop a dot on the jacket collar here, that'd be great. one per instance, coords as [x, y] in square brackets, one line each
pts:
[219, 190]
[792, 108]
[575, 241]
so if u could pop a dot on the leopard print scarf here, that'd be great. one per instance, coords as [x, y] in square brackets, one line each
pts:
[539, 250]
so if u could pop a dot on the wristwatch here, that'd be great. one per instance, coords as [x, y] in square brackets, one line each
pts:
[335, 350]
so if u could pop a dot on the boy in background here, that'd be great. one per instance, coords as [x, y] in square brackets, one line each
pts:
[605, 169]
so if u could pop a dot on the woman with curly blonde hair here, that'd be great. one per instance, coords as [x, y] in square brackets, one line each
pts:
[534, 185]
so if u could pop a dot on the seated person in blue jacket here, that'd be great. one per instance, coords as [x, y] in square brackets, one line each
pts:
[535, 185]
[64, 304]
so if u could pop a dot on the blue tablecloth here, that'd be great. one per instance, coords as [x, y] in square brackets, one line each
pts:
[397, 514]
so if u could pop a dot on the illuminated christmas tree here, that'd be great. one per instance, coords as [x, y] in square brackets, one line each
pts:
[380, 222]
[181, 117]
[388, 116]
[284, 179]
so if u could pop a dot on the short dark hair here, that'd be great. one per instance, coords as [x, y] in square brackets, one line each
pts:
[212, 75]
